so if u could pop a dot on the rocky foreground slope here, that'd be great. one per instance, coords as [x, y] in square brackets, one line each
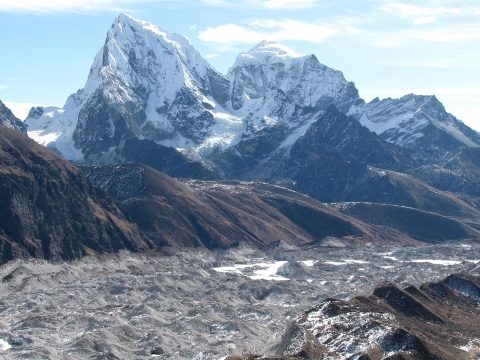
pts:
[438, 320]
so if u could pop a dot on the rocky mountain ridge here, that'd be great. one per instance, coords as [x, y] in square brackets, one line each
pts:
[276, 116]
[9, 120]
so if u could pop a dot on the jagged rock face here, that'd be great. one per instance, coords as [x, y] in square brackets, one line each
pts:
[286, 93]
[418, 123]
[9, 120]
[144, 83]
[458, 172]
[48, 209]
[166, 159]
[324, 162]
[393, 323]
[303, 79]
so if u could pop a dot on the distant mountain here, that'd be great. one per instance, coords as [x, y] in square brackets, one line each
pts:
[390, 323]
[9, 120]
[418, 123]
[276, 116]
[48, 209]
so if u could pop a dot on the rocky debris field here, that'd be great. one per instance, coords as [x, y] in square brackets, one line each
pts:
[195, 304]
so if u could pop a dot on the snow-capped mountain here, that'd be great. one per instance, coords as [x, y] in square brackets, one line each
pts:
[274, 117]
[9, 120]
[285, 95]
[145, 83]
[416, 122]
[270, 67]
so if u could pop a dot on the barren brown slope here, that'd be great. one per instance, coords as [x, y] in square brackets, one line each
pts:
[420, 225]
[390, 187]
[49, 209]
[220, 214]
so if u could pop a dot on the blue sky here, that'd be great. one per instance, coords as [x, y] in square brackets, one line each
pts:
[388, 48]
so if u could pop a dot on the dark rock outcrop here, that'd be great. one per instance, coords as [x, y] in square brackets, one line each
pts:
[9, 120]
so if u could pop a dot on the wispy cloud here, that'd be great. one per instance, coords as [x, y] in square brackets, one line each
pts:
[289, 3]
[3, 87]
[277, 30]
[425, 20]
[440, 34]
[76, 6]
[269, 4]
[49, 6]
[430, 10]
[416, 11]
[454, 60]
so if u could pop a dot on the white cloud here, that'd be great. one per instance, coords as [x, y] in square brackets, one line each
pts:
[430, 10]
[289, 3]
[211, 56]
[468, 32]
[277, 30]
[230, 33]
[440, 34]
[48, 6]
[425, 20]
[415, 11]
[3, 87]
[269, 4]
[454, 60]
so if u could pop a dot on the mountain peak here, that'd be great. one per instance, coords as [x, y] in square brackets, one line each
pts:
[417, 120]
[266, 51]
[126, 19]
[273, 48]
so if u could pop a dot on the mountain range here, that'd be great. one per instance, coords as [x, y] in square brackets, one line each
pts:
[275, 117]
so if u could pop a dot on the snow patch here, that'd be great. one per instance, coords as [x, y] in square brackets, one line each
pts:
[308, 263]
[437, 262]
[261, 271]
[346, 262]
[4, 345]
